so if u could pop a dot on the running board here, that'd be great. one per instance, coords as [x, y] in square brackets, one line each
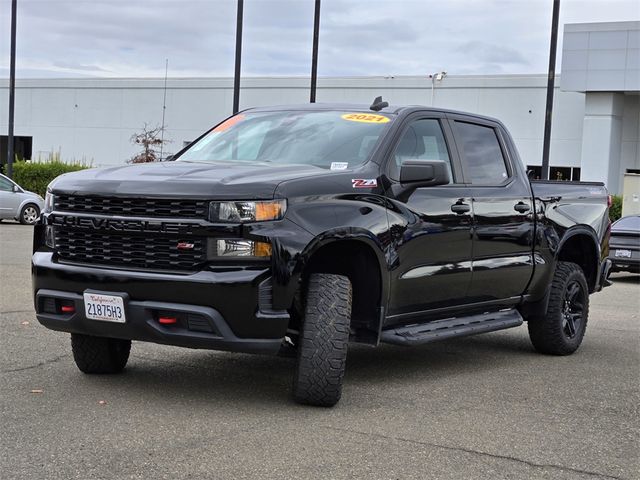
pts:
[451, 327]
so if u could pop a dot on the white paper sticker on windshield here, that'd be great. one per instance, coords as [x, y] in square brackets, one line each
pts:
[339, 165]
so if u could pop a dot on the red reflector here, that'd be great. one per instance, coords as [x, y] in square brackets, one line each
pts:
[609, 201]
[68, 308]
[167, 320]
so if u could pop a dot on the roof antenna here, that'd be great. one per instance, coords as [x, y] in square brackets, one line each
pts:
[378, 104]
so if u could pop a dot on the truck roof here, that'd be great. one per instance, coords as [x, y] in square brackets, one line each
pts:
[359, 107]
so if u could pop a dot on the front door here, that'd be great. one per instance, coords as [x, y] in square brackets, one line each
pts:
[9, 200]
[430, 254]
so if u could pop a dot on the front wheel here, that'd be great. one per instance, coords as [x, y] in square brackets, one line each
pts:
[29, 214]
[100, 354]
[561, 330]
[323, 340]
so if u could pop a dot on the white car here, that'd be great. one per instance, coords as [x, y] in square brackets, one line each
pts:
[18, 204]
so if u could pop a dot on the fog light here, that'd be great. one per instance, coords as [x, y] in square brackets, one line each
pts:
[242, 248]
[49, 237]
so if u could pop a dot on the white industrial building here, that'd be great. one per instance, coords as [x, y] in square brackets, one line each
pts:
[596, 116]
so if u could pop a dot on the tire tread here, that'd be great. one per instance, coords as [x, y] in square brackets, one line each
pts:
[99, 354]
[323, 341]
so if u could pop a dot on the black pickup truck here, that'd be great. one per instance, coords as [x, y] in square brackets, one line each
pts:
[299, 229]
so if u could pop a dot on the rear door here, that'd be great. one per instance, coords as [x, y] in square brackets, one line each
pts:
[503, 227]
[431, 226]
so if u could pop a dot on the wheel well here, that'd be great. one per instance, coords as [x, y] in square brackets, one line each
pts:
[581, 249]
[30, 203]
[359, 263]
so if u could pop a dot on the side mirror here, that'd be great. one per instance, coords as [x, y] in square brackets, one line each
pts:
[16, 189]
[423, 173]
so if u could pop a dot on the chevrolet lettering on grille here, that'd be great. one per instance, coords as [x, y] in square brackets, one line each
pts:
[118, 225]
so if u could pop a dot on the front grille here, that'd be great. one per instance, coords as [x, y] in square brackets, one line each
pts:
[120, 206]
[130, 251]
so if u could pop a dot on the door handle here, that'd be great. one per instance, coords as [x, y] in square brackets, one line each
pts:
[521, 207]
[460, 208]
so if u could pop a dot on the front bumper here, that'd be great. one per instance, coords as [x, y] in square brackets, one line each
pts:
[219, 310]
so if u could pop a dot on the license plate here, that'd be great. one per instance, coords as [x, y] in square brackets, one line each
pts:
[106, 308]
[623, 253]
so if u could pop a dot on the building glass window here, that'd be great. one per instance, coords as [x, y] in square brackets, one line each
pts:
[555, 173]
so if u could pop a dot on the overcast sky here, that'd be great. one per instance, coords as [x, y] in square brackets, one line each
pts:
[132, 38]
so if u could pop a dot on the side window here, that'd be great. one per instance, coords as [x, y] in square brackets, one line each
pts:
[481, 154]
[422, 140]
[5, 185]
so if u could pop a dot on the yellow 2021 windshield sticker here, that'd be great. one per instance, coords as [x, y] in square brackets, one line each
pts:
[365, 118]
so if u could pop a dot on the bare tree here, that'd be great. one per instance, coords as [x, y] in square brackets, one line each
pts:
[150, 139]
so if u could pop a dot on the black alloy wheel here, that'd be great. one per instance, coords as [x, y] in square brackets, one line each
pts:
[573, 310]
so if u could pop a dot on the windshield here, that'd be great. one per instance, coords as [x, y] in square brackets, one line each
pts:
[628, 223]
[327, 139]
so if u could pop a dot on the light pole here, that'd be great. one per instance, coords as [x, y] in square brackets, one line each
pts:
[236, 76]
[314, 55]
[12, 89]
[546, 144]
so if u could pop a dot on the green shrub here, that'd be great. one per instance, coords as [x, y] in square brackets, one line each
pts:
[615, 210]
[35, 176]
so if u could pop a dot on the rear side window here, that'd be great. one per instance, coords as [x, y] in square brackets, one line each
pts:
[481, 154]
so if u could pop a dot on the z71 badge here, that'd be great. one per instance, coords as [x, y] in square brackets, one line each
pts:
[364, 182]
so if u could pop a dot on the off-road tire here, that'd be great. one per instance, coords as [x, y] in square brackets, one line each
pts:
[323, 340]
[29, 214]
[551, 333]
[99, 354]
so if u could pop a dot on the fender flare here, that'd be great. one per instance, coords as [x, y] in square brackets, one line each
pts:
[336, 235]
[579, 230]
[539, 306]
[366, 238]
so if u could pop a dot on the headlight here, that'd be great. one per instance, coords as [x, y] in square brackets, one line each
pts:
[48, 202]
[247, 211]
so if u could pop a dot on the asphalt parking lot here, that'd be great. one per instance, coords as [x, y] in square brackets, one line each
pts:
[481, 407]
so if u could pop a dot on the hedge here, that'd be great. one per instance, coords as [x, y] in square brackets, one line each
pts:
[35, 176]
[615, 210]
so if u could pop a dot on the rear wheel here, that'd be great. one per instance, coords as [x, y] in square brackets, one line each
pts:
[561, 330]
[323, 341]
[99, 354]
[29, 214]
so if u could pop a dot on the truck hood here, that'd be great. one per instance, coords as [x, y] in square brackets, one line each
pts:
[244, 181]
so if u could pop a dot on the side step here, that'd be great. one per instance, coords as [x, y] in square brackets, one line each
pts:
[451, 327]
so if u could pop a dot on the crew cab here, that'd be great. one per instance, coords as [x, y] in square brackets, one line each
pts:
[299, 229]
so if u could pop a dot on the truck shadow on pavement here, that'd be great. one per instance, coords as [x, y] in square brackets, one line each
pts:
[218, 377]
[629, 278]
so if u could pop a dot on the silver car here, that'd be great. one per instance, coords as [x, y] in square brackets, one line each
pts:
[18, 204]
